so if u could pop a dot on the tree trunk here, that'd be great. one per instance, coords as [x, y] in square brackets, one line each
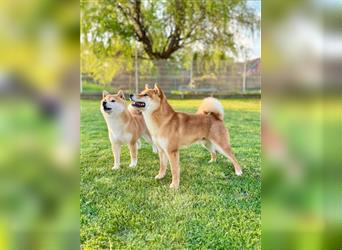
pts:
[163, 74]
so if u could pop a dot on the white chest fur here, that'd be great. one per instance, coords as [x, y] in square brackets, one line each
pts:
[150, 124]
[117, 131]
[161, 142]
[154, 130]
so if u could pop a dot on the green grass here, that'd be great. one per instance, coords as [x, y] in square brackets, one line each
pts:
[88, 87]
[213, 208]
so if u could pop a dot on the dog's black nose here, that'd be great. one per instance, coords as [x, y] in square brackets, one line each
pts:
[130, 95]
[104, 104]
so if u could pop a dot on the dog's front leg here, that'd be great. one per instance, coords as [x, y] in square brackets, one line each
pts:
[175, 171]
[133, 150]
[163, 165]
[116, 148]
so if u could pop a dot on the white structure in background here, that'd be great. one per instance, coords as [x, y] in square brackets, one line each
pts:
[244, 76]
[136, 69]
[246, 41]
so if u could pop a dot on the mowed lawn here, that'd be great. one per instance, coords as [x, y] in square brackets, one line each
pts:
[213, 208]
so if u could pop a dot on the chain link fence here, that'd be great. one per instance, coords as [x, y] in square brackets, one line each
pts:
[196, 78]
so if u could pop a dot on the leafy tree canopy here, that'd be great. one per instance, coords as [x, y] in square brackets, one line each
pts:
[163, 27]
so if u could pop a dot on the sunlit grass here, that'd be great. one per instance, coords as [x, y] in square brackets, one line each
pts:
[212, 209]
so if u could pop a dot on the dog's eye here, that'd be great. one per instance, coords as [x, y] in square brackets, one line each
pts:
[112, 100]
[146, 95]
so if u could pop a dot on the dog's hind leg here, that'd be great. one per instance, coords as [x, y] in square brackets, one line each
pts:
[133, 150]
[211, 148]
[154, 148]
[220, 142]
[139, 144]
[213, 157]
[149, 140]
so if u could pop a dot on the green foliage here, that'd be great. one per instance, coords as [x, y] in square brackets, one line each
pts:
[37, 195]
[165, 26]
[213, 209]
[102, 67]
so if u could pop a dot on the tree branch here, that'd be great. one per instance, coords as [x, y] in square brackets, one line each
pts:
[172, 43]
[193, 27]
[140, 29]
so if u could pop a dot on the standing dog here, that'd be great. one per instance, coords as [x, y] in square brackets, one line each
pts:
[124, 126]
[170, 130]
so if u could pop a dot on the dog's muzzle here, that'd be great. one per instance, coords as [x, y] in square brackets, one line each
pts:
[104, 105]
[136, 103]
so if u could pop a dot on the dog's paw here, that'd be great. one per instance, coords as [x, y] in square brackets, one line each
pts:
[159, 176]
[154, 149]
[212, 161]
[174, 186]
[238, 172]
[116, 167]
[133, 164]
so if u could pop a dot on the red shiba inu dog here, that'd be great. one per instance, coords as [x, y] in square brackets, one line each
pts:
[170, 130]
[124, 126]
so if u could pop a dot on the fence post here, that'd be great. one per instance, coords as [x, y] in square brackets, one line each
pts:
[244, 77]
[136, 69]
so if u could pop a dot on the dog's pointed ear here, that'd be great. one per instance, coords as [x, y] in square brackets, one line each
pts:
[104, 93]
[121, 94]
[158, 90]
[146, 86]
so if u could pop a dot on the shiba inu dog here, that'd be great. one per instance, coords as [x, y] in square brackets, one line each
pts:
[170, 130]
[124, 126]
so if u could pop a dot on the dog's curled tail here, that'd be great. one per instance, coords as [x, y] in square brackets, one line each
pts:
[211, 106]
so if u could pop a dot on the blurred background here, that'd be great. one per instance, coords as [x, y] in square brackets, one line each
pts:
[39, 124]
[301, 124]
